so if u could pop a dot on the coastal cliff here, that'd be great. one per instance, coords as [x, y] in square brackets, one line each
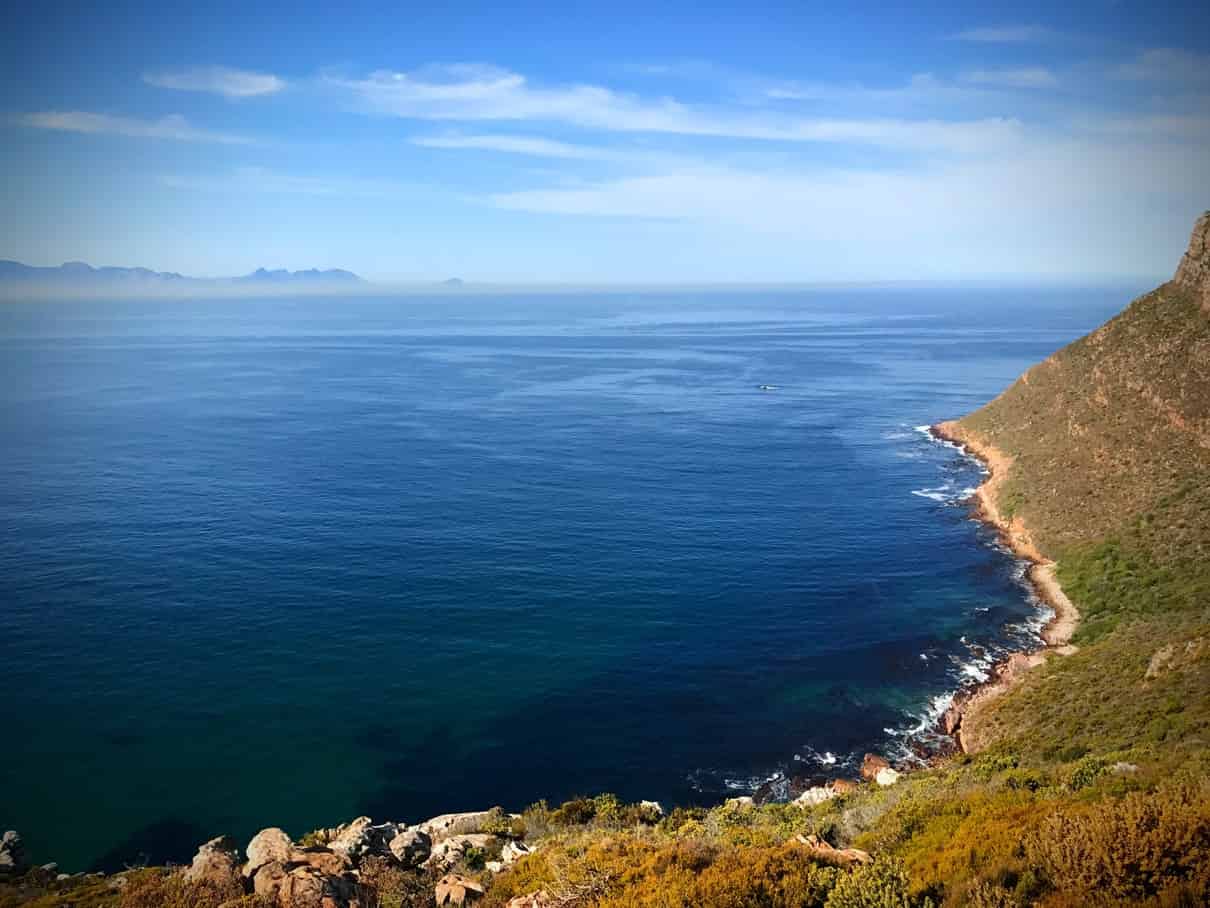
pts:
[1086, 773]
[1097, 460]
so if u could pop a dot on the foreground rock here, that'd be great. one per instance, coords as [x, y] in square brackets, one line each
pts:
[13, 860]
[450, 851]
[455, 889]
[293, 876]
[267, 846]
[215, 862]
[448, 824]
[871, 765]
[816, 795]
[411, 848]
[841, 857]
[309, 887]
[364, 837]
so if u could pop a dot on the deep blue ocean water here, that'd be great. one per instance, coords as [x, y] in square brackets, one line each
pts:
[284, 562]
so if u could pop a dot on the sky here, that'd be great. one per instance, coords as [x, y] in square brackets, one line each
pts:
[608, 143]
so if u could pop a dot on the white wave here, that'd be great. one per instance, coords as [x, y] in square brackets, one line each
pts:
[937, 494]
[975, 671]
[926, 720]
[948, 493]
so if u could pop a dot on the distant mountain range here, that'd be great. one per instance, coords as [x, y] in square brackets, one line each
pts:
[82, 277]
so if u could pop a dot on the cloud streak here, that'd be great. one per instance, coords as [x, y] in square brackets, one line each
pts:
[520, 145]
[218, 80]
[255, 180]
[1018, 77]
[173, 127]
[1006, 34]
[477, 93]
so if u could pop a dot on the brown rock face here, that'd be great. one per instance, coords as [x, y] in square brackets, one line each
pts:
[871, 765]
[455, 889]
[322, 859]
[843, 786]
[268, 879]
[1193, 273]
[840, 857]
[307, 887]
[539, 899]
[270, 844]
[215, 862]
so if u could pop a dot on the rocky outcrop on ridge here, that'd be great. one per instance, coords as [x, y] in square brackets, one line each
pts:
[1193, 273]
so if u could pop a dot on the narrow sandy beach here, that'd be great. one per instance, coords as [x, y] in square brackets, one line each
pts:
[1058, 630]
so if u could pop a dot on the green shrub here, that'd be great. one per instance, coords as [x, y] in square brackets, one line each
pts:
[1087, 771]
[390, 886]
[882, 884]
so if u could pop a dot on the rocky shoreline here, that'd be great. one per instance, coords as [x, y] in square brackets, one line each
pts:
[1057, 632]
[449, 859]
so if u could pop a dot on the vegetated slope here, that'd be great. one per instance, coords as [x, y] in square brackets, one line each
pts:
[1111, 445]
[1110, 440]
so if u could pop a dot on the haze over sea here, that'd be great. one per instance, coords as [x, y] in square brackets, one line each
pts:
[284, 562]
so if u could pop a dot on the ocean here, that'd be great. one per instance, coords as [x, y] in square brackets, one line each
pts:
[288, 561]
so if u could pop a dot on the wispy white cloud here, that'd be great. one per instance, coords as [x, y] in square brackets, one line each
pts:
[1041, 196]
[1006, 34]
[471, 92]
[254, 180]
[1166, 64]
[219, 80]
[174, 127]
[921, 88]
[1012, 77]
[522, 145]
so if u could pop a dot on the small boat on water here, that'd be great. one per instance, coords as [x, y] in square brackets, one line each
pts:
[768, 387]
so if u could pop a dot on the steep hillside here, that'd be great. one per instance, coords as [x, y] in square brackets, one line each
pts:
[1109, 441]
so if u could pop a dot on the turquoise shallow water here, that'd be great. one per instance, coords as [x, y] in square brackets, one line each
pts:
[285, 562]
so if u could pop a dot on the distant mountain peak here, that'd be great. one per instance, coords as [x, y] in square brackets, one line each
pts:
[81, 277]
[453, 282]
[283, 275]
[1193, 273]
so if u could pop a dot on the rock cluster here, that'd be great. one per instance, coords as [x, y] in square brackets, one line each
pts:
[1193, 273]
[12, 854]
[455, 889]
[871, 764]
[820, 793]
[325, 871]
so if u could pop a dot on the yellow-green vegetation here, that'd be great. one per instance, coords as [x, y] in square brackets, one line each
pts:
[1111, 475]
[149, 888]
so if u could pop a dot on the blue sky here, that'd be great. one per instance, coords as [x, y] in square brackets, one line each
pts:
[607, 143]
